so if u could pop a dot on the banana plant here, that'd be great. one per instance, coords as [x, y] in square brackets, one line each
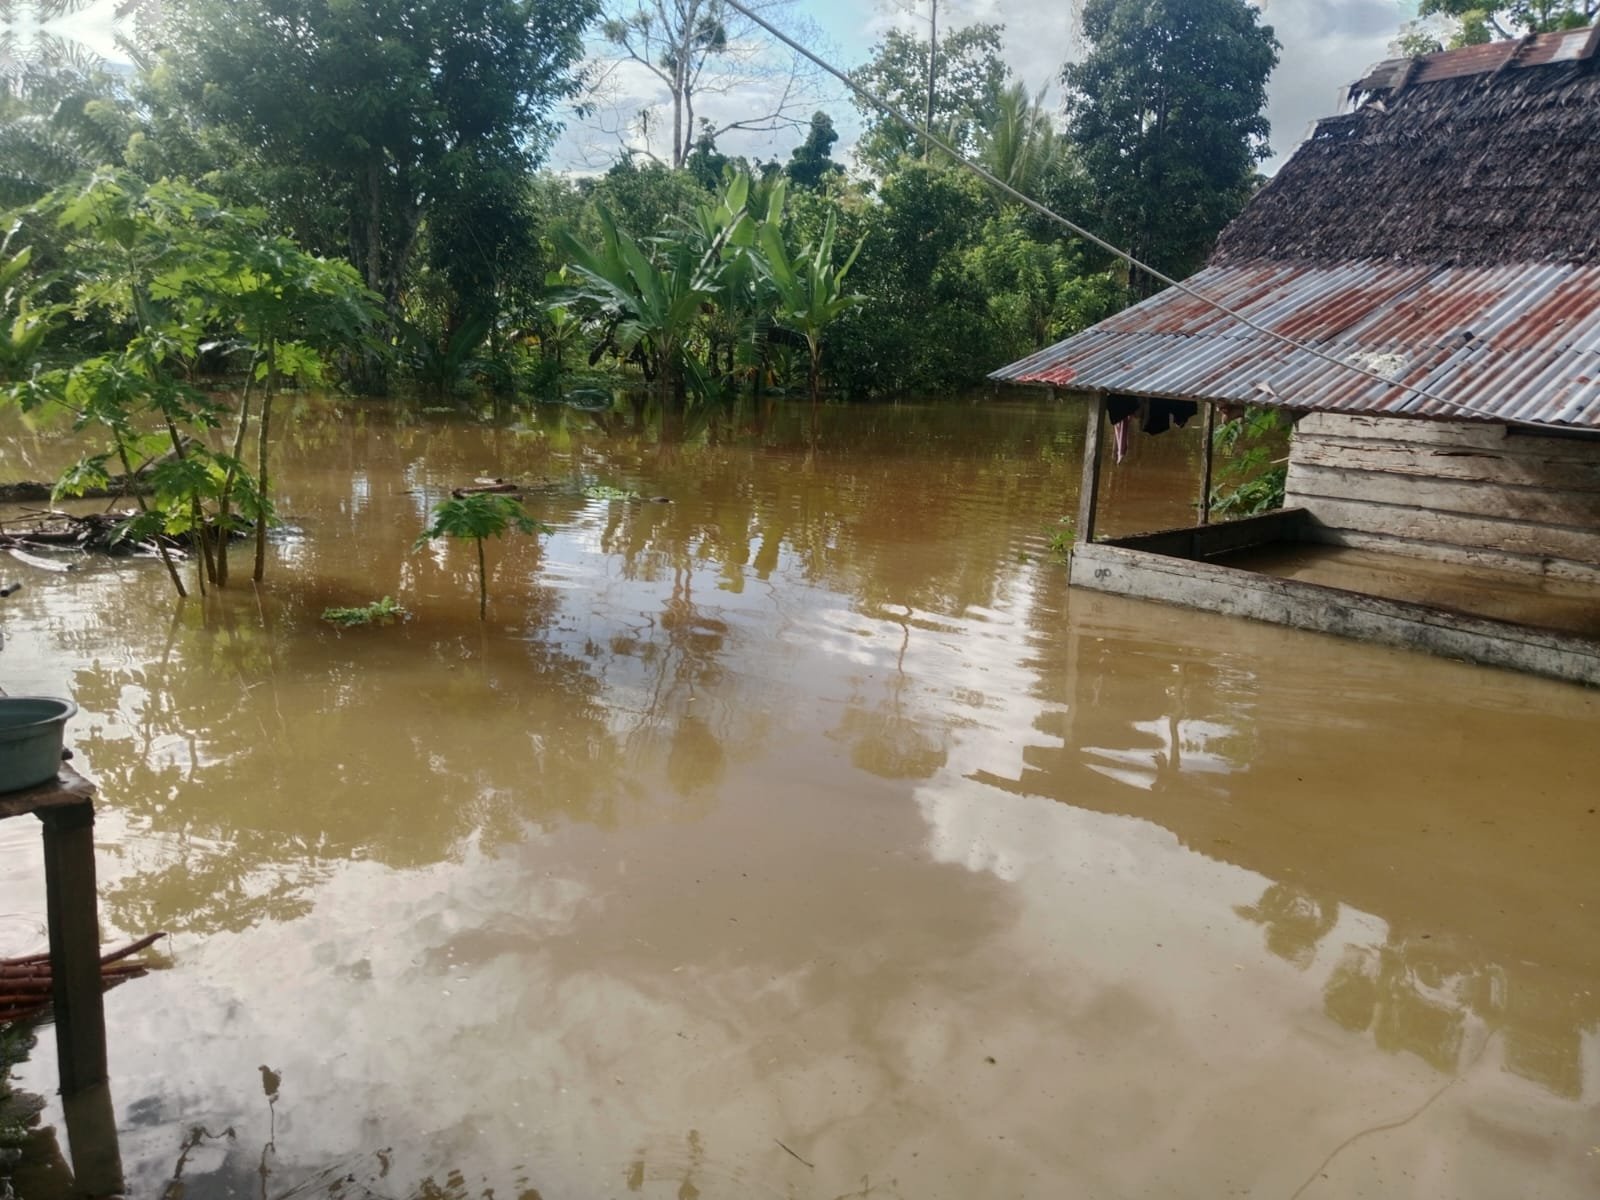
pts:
[651, 302]
[810, 290]
[741, 315]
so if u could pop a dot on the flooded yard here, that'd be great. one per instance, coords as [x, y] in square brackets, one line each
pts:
[799, 834]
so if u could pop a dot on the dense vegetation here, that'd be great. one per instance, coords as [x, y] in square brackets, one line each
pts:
[408, 140]
[295, 191]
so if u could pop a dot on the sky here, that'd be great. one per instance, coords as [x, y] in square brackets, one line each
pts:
[1327, 44]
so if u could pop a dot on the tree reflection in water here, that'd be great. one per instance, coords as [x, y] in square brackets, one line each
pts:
[717, 803]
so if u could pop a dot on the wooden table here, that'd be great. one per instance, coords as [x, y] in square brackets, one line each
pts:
[65, 808]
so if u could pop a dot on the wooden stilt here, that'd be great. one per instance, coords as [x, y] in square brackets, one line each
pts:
[65, 808]
[1089, 491]
[1207, 429]
[92, 1140]
[74, 945]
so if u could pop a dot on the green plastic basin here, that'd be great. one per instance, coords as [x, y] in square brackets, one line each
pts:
[31, 729]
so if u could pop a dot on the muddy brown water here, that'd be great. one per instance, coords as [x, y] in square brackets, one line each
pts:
[806, 837]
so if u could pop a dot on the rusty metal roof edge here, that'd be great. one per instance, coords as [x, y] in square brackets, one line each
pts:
[1519, 344]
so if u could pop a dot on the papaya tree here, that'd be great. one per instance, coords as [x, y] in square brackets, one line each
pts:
[478, 516]
[25, 320]
[164, 275]
[284, 311]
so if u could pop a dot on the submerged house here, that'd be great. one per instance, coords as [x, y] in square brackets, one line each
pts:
[1421, 283]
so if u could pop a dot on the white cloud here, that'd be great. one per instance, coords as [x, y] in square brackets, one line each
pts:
[1327, 44]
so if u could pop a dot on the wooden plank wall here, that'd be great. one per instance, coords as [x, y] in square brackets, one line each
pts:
[1466, 492]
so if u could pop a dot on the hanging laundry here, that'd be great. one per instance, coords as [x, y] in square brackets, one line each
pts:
[1161, 415]
[1120, 433]
[1121, 411]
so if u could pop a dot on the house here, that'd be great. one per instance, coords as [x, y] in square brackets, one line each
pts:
[1419, 287]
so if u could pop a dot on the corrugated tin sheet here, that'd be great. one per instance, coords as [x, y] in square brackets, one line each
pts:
[1514, 344]
[1569, 45]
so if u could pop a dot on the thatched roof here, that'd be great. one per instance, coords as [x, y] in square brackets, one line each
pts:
[1477, 157]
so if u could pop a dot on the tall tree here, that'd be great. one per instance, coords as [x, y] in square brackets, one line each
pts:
[812, 161]
[1166, 114]
[970, 77]
[700, 49]
[370, 119]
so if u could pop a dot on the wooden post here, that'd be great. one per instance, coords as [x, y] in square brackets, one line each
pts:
[1089, 490]
[92, 1139]
[1207, 429]
[74, 945]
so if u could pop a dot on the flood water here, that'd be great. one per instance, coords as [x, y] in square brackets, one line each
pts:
[803, 836]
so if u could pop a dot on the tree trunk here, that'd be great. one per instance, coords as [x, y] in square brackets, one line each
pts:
[227, 482]
[204, 568]
[483, 584]
[816, 381]
[933, 62]
[375, 229]
[263, 431]
[679, 98]
[161, 547]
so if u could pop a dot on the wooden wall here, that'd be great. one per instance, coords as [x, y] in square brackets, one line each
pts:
[1458, 491]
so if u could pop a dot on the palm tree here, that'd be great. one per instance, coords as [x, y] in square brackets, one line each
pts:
[1021, 142]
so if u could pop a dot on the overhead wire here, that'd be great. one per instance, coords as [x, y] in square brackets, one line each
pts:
[1093, 238]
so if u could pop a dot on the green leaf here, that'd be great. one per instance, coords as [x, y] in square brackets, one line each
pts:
[477, 516]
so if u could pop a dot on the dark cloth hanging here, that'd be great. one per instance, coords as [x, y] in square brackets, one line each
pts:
[1160, 415]
[1120, 408]
[1157, 416]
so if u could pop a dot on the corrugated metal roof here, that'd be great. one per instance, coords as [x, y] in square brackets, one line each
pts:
[1567, 45]
[1514, 343]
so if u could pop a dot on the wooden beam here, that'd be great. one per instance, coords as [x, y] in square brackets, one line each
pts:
[1089, 490]
[74, 945]
[1358, 615]
[1211, 541]
[1207, 428]
[1406, 522]
[1505, 502]
[1482, 466]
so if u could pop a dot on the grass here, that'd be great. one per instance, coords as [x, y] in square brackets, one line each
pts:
[603, 491]
[379, 612]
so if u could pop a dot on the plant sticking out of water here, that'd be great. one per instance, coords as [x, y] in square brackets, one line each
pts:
[605, 491]
[168, 278]
[1253, 470]
[479, 515]
[1062, 536]
[379, 612]
[810, 289]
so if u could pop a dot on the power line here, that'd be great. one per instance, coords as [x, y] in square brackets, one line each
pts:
[1094, 238]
